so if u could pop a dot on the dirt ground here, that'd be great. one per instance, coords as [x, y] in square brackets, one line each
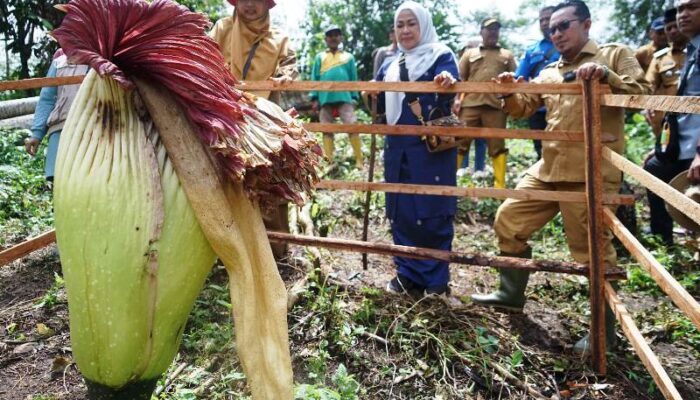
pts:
[37, 362]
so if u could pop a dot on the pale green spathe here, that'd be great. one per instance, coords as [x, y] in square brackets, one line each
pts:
[134, 257]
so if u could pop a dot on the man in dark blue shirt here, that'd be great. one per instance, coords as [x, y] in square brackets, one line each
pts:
[535, 59]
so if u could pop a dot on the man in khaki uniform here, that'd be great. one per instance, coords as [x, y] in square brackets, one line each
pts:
[254, 50]
[481, 64]
[562, 165]
[665, 69]
[658, 41]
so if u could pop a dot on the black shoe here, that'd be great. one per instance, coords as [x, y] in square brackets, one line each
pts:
[443, 290]
[400, 285]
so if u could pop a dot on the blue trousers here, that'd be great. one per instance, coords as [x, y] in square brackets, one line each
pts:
[479, 156]
[434, 233]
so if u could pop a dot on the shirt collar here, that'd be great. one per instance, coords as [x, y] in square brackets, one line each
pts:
[695, 42]
[590, 47]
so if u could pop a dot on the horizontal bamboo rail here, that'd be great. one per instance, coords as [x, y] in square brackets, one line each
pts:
[656, 185]
[421, 253]
[418, 87]
[305, 86]
[39, 242]
[679, 104]
[486, 133]
[681, 298]
[13, 253]
[645, 353]
[36, 83]
[437, 190]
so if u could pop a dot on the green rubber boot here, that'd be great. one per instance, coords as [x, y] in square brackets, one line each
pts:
[511, 293]
[583, 348]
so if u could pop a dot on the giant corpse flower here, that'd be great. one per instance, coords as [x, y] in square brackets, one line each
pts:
[162, 166]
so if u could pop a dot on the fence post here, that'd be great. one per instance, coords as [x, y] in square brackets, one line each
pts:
[370, 179]
[594, 195]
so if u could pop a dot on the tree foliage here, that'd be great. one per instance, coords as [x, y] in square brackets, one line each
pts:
[365, 25]
[632, 18]
[23, 24]
[214, 9]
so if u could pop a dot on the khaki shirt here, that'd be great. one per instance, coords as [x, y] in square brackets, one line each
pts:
[665, 71]
[480, 64]
[645, 54]
[565, 161]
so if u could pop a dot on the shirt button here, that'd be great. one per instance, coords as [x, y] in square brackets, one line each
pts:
[419, 223]
[437, 179]
[430, 107]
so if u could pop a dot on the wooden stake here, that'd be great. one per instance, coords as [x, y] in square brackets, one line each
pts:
[685, 104]
[26, 247]
[592, 128]
[370, 179]
[663, 278]
[656, 370]
[656, 185]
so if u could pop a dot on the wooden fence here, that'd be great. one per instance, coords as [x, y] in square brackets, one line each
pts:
[595, 96]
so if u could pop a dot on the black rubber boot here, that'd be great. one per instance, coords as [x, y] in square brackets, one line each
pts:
[511, 293]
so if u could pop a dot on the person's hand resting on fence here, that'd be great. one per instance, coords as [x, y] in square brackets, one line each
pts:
[591, 70]
[507, 77]
[281, 81]
[445, 79]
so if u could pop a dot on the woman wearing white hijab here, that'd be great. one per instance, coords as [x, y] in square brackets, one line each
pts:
[419, 220]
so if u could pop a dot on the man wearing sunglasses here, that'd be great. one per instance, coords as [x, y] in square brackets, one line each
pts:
[562, 165]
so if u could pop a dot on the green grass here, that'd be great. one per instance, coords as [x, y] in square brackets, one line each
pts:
[25, 199]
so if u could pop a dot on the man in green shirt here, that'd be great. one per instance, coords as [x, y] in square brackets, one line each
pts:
[336, 65]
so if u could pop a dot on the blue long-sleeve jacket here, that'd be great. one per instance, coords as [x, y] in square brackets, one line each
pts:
[536, 58]
[406, 158]
[46, 104]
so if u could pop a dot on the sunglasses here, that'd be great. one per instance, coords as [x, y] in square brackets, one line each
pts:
[562, 26]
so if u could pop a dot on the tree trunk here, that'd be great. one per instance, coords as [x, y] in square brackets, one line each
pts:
[18, 107]
[23, 122]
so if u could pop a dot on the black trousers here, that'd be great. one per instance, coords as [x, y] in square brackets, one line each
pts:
[661, 222]
[538, 121]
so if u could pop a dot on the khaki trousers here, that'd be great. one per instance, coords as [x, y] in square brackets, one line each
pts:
[484, 117]
[517, 220]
